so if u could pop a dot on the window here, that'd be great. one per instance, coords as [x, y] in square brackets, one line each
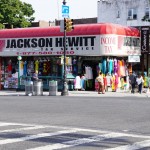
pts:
[147, 13]
[118, 14]
[132, 14]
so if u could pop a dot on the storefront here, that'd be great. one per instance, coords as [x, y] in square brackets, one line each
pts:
[90, 48]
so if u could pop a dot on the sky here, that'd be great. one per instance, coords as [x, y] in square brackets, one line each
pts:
[49, 10]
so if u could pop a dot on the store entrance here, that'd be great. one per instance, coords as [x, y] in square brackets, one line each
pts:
[90, 82]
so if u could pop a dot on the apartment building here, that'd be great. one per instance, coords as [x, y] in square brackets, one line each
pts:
[124, 12]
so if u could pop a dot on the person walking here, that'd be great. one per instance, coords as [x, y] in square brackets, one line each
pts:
[140, 82]
[132, 81]
[100, 83]
[35, 76]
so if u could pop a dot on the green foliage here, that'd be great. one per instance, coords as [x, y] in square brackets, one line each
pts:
[15, 13]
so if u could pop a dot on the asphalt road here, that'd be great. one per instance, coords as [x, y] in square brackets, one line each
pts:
[93, 114]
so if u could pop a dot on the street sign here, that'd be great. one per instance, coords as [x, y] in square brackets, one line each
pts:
[65, 11]
[133, 58]
[62, 25]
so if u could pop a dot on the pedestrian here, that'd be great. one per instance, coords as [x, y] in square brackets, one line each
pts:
[100, 80]
[140, 82]
[35, 76]
[132, 81]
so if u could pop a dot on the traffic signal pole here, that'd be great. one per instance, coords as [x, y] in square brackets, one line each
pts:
[65, 88]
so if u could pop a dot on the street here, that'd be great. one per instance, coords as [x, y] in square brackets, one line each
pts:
[56, 122]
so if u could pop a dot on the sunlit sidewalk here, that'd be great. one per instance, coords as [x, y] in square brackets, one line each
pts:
[81, 93]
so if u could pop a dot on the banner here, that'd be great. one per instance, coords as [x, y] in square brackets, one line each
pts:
[145, 39]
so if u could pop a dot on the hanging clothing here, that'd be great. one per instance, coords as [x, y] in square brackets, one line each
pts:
[36, 65]
[100, 67]
[146, 82]
[88, 73]
[104, 66]
[116, 82]
[122, 68]
[77, 83]
[108, 78]
[110, 66]
[115, 66]
[118, 68]
[83, 82]
[105, 83]
[130, 67]
[9, 68]
[46, 68]
[122, 83]
[25, 68]
[21, 68]
[113, 83]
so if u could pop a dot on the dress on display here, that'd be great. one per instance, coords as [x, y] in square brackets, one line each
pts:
[77, 82]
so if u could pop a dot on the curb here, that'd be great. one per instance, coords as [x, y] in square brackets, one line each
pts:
[81, 94]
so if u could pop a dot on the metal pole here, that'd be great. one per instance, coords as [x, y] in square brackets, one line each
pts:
[65, 89]
[18, 74]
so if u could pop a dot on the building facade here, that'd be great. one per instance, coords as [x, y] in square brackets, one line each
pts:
[91, 48]
[135, 13]
[124, 12]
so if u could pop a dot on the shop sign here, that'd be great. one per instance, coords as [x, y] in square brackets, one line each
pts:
[116, 45]
[145, 39]
[88, 45]
[76, 45]
[133, 58]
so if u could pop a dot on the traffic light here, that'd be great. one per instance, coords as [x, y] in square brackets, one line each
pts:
[68, 24]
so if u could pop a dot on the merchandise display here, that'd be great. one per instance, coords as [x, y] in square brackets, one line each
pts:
[48, 68]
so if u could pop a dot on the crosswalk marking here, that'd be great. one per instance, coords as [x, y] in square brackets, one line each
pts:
[100, 135]
[79, 129]
[78, 142]
[31, 137]
[134, 146]
[23, 129]
[5, 124]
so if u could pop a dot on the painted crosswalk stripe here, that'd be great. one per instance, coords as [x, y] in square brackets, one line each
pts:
[78, 142]
[134, 146]
[79, 129]
[31, 137]
[23, 129]
[5, 124]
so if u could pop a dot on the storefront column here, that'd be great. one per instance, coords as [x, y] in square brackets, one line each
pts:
[147, 63]
[142, 63]
[19, 59]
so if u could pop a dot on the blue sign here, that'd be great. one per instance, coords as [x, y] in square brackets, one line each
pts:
[65, 10]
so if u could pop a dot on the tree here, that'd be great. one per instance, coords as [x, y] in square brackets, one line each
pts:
[15, 13]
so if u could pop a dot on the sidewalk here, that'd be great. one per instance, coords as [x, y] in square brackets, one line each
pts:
[81, 93]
